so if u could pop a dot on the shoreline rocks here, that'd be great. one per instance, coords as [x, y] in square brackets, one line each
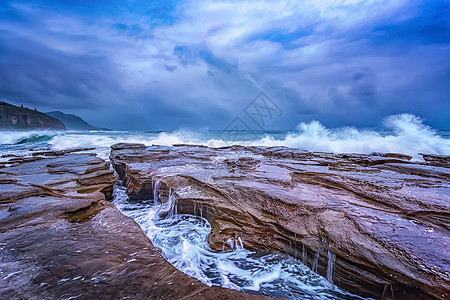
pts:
[61, 238]
[381, 221]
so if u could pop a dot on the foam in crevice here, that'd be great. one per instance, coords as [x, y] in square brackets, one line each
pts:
[183, 240]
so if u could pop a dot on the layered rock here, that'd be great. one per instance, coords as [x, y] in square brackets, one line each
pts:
[384, 219]
[61, 239]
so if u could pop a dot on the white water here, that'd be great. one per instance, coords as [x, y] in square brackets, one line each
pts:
[182, 239]
[403, 134]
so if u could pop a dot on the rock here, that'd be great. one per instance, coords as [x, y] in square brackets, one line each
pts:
[61, 239]
[394, 155]
[385, 217]
[437, 160]
[14, 117]
[60, 152]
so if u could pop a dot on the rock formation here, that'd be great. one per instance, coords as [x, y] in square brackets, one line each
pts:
[384, 218]
[13, 117]
[61, 239]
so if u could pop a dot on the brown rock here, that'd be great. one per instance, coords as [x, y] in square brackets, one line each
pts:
[437, 160]
[58, 243]
[60, 152]
[384, 217]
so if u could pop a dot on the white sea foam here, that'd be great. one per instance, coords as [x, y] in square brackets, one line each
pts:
[408, 135]
[183, 240]
[403, 133]
[8, 137]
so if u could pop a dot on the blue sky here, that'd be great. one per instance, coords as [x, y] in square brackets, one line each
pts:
[198, 64]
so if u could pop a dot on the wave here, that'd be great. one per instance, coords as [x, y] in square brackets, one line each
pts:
[404, 133]
[17, 137]
[35, 138]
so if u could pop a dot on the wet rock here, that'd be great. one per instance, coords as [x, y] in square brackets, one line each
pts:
[384, 217]
[394, 155]
[60, 152]
[61, 239]
[437, 160]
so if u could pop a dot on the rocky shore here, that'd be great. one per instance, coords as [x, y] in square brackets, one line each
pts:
[381, 220]
[62, 239]
[376, 225]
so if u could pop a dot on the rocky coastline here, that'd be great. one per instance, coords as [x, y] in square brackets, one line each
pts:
[381, 219]
[384, 218]
[62, 239]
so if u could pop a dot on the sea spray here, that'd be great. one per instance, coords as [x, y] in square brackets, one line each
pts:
[402, 133]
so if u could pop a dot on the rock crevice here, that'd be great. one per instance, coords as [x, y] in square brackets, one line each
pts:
[61, 239]
[382, 218]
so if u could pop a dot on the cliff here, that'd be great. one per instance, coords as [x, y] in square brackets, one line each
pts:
[14, 117]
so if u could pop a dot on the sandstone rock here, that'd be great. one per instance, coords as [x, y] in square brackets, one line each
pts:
[60, 152]
[61, 239]
[385, 218]
[437, 160]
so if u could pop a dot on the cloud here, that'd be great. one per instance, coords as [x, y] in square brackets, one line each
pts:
[171, 64]
[34, 73]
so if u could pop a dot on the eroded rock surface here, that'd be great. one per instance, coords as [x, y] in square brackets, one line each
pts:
[384, 217]
[61, 239]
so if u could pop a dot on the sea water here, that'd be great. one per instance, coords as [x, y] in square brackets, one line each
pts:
[400, 134]
[183, 240]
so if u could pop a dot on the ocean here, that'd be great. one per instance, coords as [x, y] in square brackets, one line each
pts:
[182, 238]
[404, 134]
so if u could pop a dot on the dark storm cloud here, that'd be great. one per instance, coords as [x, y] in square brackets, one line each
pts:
[171, 64]
[35, 74]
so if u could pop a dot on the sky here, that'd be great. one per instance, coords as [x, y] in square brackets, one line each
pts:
[164, 65]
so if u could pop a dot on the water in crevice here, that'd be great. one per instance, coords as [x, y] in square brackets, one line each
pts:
[330, 266]
[183, 240]
[156, 187]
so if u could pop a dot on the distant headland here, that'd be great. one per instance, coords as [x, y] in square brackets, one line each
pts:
[15, 117]
[22, 118]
